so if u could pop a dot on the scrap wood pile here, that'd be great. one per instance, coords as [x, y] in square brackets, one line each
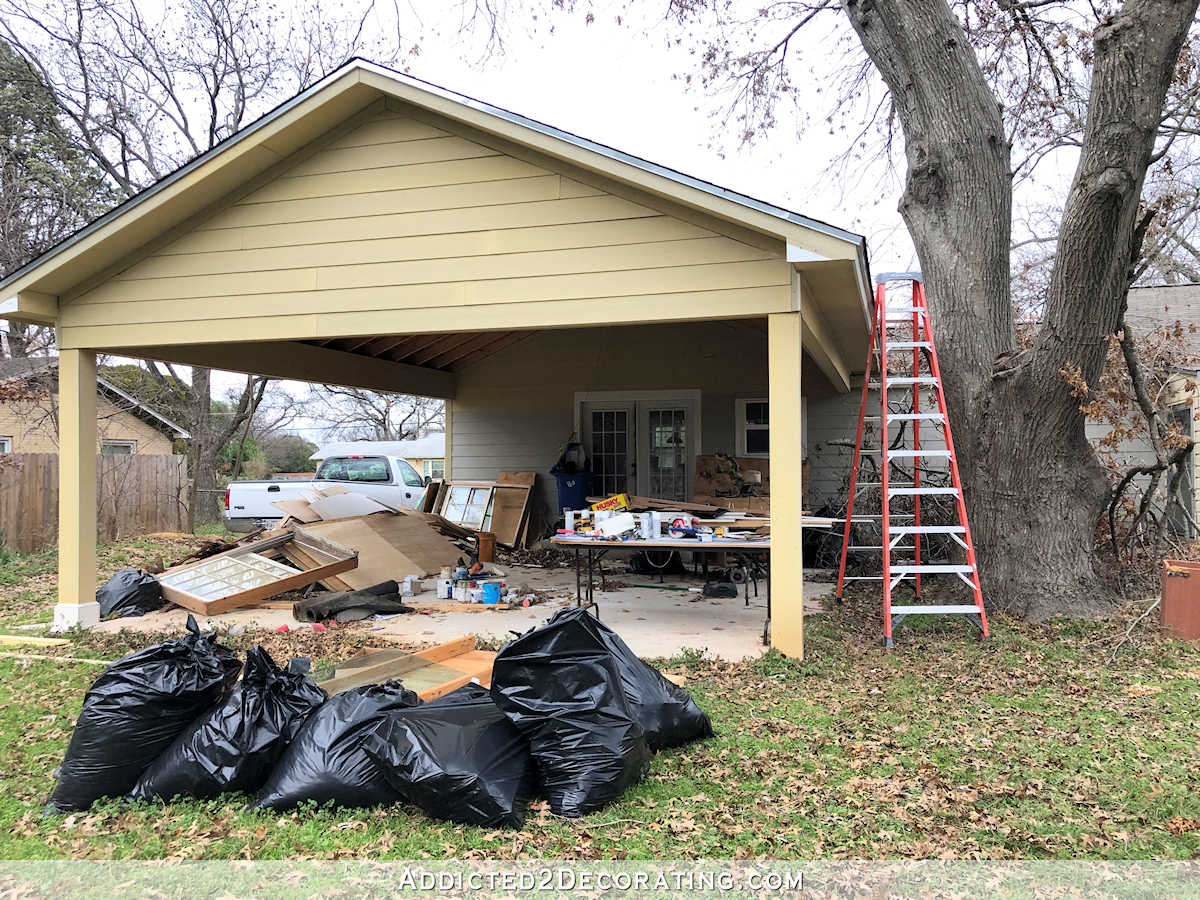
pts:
[348, 543]
[571, 715]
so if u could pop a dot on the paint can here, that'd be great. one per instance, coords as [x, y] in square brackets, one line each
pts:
[491, 592]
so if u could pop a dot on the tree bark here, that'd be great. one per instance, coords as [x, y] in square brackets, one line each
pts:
[1034, 487]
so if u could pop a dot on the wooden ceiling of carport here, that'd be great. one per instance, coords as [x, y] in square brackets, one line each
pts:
[445, 352]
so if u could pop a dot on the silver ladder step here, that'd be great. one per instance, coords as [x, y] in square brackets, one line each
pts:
[934, 568]
[904, 381]
[928, 529]
[933, 610]
[857, 517]
[909, 417]
[924, 491]
[909, 345]
[912, 454]
[863, 484]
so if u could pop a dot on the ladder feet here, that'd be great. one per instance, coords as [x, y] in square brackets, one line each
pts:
[888, 644]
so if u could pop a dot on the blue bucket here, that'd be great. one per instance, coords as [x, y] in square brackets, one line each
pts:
[491, 592]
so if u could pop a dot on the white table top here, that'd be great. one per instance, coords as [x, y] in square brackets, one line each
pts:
[662, 543]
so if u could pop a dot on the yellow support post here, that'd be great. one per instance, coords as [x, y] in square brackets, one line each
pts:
[76, 490]
[787, 499]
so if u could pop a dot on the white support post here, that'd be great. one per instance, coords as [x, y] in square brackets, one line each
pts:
[76, 491]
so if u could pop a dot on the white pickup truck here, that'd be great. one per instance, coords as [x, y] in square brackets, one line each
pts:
[388, 479]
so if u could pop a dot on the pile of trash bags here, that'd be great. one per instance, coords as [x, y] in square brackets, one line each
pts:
[572, 715]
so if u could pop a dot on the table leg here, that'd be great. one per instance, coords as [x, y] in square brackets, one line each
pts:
[589, 575]
[767, 624]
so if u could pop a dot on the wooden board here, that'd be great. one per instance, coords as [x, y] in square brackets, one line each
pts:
[508, 512]
[389, 546]
[32, 640]
[529, 479]
[430, 498]
[454, 663]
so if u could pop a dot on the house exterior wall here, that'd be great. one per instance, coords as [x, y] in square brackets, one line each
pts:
[515, 411]
[401, 218]
[33, 427]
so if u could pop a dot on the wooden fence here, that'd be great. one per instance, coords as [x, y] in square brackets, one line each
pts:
[134, 494]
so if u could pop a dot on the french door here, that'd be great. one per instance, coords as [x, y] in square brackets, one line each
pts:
[645, 447]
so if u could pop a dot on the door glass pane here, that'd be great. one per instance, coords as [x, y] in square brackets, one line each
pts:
[758, 440]
[668, 453]
[610, 459]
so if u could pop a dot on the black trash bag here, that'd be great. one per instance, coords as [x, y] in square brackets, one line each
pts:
[667, 713]
[457, 758]
[563, 690]
[135, 709]
[234, 746]
[130, 592]
[327, 762]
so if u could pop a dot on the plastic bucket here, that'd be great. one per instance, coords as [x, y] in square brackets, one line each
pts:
[491, 592]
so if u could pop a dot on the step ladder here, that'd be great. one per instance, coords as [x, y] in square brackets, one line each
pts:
[901, 354]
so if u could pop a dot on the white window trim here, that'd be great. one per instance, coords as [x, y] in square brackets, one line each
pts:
[6, 443]
[427, 468]
[739, 422]
[131, 444]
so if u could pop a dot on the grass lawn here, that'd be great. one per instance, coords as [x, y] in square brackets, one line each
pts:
[1032, 745]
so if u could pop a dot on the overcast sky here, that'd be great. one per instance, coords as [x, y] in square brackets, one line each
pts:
[624, 85]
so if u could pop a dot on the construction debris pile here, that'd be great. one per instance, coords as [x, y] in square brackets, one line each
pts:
[571, 715]
[369, 558]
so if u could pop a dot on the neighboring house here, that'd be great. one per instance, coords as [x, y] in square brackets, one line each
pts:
[124, 426]
[1164, 306]
[427, 455]
[380, 232]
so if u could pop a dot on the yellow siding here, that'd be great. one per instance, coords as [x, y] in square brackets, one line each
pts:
[402, 217]
[32, 425]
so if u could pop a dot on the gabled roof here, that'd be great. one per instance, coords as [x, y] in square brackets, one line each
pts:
[32, 290]
[14, 369]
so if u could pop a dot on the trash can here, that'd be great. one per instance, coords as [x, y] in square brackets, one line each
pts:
[573, 489]
[1181, 598]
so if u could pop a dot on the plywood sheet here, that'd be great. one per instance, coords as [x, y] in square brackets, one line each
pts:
[389, 546]
[508, 512]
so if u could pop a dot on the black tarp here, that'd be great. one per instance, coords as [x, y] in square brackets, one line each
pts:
[135, 709]
[130, 592]
[234, 746]
[563, 690]
[457, 758]
[350, 606]
[327, 762]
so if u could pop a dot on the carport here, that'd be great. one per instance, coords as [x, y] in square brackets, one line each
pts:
[379, 232]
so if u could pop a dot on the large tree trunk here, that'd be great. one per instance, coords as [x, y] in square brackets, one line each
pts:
[1034, 487]
[201, 470]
